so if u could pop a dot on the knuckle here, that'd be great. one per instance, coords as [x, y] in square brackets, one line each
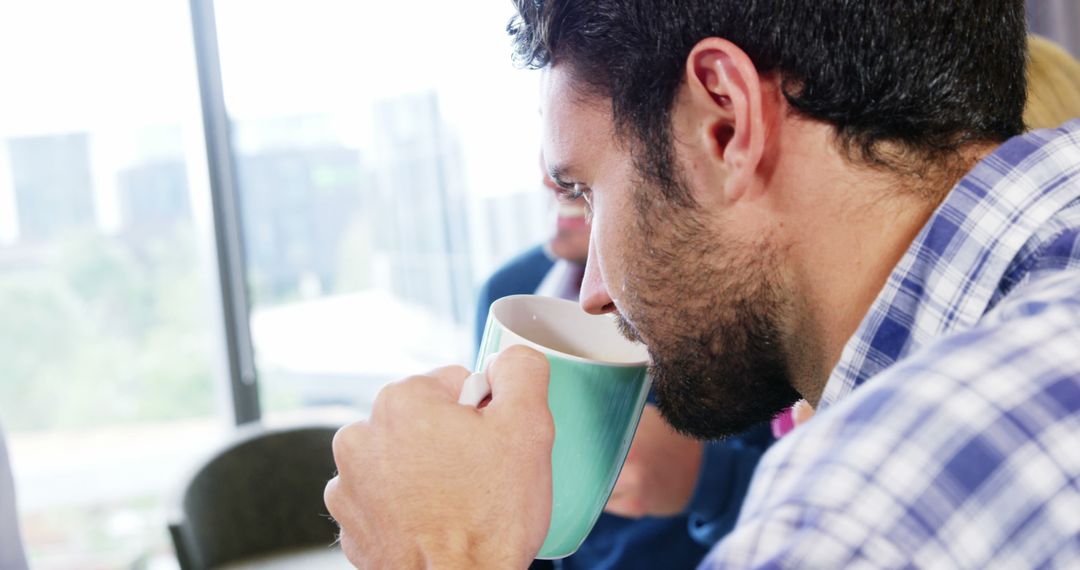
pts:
[352, 550]
[541, 429]
[451, 371]
[345, 442]
[330, 495]
[340, 445]
[521, 362]
[393, 397]
[521, 352]
[387, 393]
[547, 426]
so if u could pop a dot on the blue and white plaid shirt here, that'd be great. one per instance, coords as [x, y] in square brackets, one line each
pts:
[948, 435]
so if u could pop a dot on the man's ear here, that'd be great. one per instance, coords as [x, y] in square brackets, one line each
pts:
[726, 90]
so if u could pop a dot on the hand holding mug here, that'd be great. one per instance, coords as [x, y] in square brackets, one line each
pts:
[598, 386]
[428, 481]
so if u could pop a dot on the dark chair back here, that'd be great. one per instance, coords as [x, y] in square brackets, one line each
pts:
[260, 493]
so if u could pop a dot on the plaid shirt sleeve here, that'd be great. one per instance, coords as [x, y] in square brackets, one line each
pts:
[964, 455]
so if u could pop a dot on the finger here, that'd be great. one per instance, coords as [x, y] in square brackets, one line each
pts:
[801, 412]
[626, 498]
[626, 505]
[402, 398]
[335, 499]
[351, 550]
[348, 442]
[518, 377]
[330, 496]
[451, 378]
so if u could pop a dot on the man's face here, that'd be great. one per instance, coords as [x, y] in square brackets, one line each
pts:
[706, 301]
[570, 240]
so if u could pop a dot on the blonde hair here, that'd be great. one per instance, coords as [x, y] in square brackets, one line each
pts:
[1053, 85]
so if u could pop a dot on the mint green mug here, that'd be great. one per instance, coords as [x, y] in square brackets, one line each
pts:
[597, 390]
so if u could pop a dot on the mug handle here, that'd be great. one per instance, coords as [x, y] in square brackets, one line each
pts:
[475, 389]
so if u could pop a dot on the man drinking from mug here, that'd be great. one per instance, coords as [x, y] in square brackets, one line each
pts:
[827, 199]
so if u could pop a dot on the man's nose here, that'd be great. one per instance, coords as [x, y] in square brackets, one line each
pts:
[594, 294]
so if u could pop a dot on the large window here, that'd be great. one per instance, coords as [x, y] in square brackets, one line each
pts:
[385, 162]
[108, 341]
[376, 147]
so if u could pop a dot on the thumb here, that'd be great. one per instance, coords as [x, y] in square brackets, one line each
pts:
[518, 377]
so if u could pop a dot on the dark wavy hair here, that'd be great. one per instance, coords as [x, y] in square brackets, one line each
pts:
[925, 76]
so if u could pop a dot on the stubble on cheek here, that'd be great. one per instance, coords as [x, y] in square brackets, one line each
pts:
[626, 329]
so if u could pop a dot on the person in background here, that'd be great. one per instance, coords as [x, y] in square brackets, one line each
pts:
[675, 496]
[553, 269]
[1053, 85]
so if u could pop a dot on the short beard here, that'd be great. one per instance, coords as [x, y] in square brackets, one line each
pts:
[713, 394]
[708, 308]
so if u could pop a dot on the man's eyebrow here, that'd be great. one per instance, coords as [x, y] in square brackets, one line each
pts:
[558, 173]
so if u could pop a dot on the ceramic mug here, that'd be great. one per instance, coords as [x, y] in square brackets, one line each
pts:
[598, 386]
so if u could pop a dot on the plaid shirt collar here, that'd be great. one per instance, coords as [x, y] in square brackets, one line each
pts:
[968, 251]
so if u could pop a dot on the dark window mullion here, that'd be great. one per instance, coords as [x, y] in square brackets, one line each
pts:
[228, 226]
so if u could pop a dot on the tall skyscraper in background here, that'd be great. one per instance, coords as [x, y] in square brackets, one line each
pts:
[302, 188]
[153, 195]
[152, 183]
[422, 219]
[53, 185]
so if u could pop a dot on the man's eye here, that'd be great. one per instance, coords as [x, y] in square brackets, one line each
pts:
[570, 193]
[585, 192]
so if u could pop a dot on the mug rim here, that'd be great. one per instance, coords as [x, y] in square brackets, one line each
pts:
[644, 362]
